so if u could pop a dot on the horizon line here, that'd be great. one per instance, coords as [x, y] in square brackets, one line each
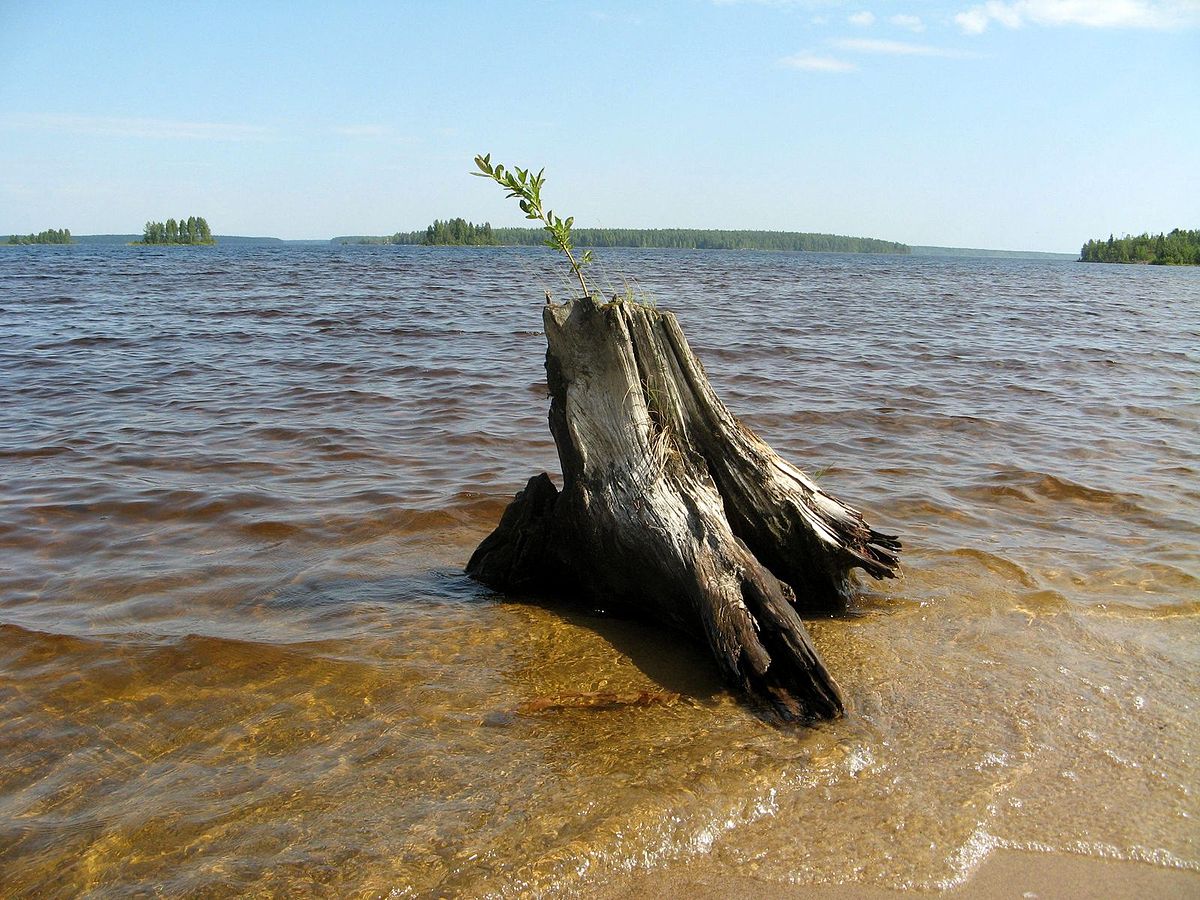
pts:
[318, 240]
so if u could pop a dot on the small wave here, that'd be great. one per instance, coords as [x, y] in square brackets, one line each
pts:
[409, 331]
[919, 509]
[997, 565]
[1028, 487]
[1178, 609]
[21, 633]
[1044, 601]
[157, 505]
[398, 521]
[1057, 488]
[270, 530]
[99, 340]
[389, 517]
[345, 454]
[45, 452]
[280, 433]
[125, 390]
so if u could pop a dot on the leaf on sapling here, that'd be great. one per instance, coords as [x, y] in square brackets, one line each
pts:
[526, 190]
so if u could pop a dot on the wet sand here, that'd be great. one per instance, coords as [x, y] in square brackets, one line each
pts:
[1006, 874]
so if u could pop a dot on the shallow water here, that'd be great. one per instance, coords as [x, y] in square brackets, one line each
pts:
[237, 652]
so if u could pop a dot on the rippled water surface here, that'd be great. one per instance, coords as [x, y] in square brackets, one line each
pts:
[237, 651]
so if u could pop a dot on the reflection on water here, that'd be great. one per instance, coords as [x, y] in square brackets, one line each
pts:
[237, 652]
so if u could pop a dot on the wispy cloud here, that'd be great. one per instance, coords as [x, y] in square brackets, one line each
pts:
[811, 62]
[862, 19]
[816, 62]
[912, 23]
[1161, 14]
[898, 48]
[154, 129]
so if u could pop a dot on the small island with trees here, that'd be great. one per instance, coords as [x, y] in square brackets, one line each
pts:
[452, 232]
[459, 232]
[1179, 248]
[49, 236]
[193, 230]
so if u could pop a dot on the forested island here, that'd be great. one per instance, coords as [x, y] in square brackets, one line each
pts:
[192, 230]
[460, 232]
[452, 233]
[49, 236]
[449, 233]
[1179, 248]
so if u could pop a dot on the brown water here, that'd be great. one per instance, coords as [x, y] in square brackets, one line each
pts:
[237, 652]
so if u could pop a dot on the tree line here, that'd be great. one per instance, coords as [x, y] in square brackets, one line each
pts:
[49, 236]
[460, 232]
[192, 230]
[1179, 248]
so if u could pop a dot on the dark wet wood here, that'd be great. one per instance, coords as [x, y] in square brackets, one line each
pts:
[672, 509]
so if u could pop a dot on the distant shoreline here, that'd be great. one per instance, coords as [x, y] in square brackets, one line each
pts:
[981, 253]
[460, 232]
[252, 240]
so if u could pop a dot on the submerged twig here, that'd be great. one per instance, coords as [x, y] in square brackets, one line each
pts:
[598, 700]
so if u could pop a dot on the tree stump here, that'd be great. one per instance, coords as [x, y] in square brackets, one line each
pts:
[672, 509]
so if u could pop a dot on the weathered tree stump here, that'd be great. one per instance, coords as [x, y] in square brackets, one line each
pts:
[672, 509]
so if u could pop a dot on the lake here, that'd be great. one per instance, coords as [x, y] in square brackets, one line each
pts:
[238, 653]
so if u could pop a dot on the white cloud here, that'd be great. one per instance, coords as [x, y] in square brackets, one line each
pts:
[862, 19]
[810, 62]
[155, 129]
[897, 48]
[973, 21]
[912, 23]
[1164, 14]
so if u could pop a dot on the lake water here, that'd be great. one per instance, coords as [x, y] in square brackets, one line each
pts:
[238, 653]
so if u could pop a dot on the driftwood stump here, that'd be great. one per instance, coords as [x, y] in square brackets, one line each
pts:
[672, 509]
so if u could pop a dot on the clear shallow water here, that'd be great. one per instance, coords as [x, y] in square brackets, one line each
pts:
[237, 652]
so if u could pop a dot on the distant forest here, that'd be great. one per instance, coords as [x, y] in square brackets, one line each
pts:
[1179, 248]
[460, 232]
[50, 236]
[192, 230]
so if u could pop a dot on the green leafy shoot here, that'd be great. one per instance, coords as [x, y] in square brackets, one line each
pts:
[526, 188]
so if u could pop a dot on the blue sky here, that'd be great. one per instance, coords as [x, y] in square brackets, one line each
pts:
[1021, 124]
